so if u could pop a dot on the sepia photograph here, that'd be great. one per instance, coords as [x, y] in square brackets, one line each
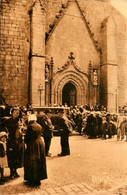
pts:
[63, 97]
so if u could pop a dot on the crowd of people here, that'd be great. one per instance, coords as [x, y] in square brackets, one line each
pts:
[98, 123]
[25, 143]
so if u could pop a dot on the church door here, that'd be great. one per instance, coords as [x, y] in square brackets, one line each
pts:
[69, 94]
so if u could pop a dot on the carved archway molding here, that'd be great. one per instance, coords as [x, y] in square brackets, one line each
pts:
[80, 81]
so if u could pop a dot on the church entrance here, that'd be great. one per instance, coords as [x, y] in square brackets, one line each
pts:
[69, 94]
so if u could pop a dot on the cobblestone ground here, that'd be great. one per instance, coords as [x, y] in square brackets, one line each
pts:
[95, 166]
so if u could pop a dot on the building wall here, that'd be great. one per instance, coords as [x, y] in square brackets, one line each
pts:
[14, 46]
[71, 35]
[101, 11]
[37, 55]
[95, 12]
[17, 48]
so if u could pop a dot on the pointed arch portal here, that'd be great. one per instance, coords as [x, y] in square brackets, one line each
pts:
[70, 84]
[70, 88]
[69, 94]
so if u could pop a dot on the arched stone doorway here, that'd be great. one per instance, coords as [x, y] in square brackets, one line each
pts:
[67, 81]
[69, 94]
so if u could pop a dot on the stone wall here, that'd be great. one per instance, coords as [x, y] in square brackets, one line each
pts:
[71, 35]
[15, 50]
[37, 58]
[53, 10]
[95, 13]
[60, 42]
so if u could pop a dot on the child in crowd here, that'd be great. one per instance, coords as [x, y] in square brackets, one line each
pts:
[3, 155]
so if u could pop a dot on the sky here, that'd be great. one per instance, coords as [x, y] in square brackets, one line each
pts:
[121, 5]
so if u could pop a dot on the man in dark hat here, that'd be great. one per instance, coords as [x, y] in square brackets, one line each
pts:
[48, 128]
[64, 133]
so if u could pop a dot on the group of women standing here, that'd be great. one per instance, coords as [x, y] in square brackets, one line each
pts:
[28, 150]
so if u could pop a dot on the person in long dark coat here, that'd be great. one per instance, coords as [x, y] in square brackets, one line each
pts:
[99, 124]
[64, 133]
[34, 157]
[91, 127]
[47, 129]
[14, 142]
[104, 128]
[79, 120]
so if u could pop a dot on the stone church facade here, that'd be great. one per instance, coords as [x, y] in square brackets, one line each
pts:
[63, 51]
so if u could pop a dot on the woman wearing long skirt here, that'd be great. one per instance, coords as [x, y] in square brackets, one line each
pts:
[34, 157]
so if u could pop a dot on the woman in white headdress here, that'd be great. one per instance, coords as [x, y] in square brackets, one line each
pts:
[34, 157]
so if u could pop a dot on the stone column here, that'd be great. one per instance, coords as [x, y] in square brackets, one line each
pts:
[37, 62]
[109, 64]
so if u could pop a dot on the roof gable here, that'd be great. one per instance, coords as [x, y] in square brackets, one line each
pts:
[72, 34]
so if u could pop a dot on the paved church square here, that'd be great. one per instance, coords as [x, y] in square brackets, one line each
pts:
[94, 166]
